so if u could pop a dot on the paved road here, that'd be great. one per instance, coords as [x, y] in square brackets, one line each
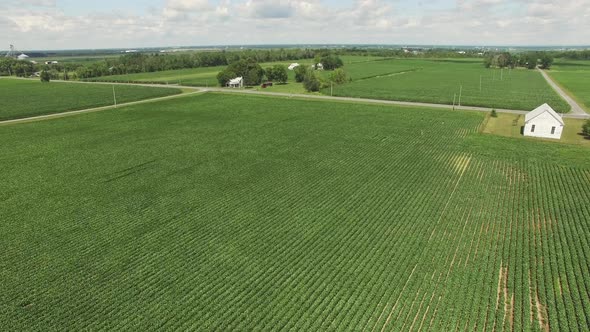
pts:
[386, 102]
[576, 108]
[363, 100]
[89, 110]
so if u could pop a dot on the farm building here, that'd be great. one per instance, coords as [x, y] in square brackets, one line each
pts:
[237, 82]
[293, 66]
[543, 122]
[22, 57]
[318, 66]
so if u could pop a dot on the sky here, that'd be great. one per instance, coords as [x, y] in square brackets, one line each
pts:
[95, 24]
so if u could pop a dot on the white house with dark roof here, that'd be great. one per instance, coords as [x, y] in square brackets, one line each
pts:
[543, 122]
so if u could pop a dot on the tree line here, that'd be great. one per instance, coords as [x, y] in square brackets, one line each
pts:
[253, 74]
[151, 62]
[528, 60]
[573, 55]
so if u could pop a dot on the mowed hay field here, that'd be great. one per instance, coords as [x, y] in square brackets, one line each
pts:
[26, 98]
[574, 77]
[440, 81]
[206, 76]
[219, 212]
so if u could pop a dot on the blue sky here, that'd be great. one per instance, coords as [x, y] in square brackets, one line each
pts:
[67, 24]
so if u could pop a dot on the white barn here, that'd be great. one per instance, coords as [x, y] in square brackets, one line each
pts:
[237, 82]
[543, 122]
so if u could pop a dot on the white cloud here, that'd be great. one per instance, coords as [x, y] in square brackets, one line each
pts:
[37, 24]
[270, 9]
[184, 9]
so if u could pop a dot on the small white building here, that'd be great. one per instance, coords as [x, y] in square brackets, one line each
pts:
[293, 66]
[237, 82]
[543, 122]
[319, 66]
[22, 57]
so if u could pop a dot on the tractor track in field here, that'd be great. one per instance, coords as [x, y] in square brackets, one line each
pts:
[263, 93]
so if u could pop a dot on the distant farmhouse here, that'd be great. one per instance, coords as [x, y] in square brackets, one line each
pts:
[22, 57]
[237, 82]
[543, 122]
[293, 66]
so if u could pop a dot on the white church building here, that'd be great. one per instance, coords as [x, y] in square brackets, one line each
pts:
[543, 122]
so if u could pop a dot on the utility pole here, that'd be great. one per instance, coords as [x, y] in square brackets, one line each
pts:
[480, 79]
[331, 89]
[114, 96]
[454, 97]
[502, 74]
[460, 92]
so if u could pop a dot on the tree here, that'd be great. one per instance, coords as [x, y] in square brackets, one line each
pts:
[488, 60]
[23, 68]
[248, 69]
[45, 76]
[7, 66]
[311, 82]
[300, 72]
[279, 73]
[494, 114]
[224, 76]
[331, 62]
[529, 60]
[339, 76]
[586, 129]
[546, 60]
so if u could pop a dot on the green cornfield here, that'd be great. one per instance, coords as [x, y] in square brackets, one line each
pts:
[234, 213]
[463, 81]
[25, 98]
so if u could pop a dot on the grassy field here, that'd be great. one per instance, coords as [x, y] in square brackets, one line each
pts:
[25, 98]
[442, 81]
[222, 212]
[510, 125]
[574, 77]
[206, 76]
